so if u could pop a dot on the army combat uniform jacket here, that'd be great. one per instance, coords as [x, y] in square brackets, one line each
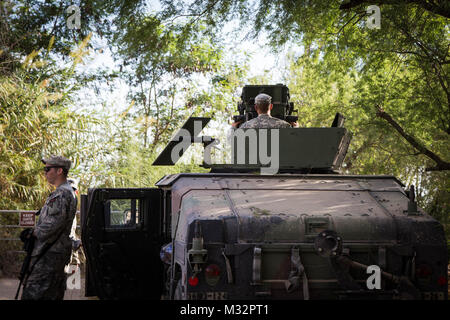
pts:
[47, 278]
[265, 121]
[55, 221]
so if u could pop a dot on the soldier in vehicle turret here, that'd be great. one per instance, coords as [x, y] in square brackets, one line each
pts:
[263, 106]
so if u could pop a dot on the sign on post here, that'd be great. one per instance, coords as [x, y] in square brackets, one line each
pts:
[27, 219]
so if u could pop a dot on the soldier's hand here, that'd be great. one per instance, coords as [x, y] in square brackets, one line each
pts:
[236, 124]
[26, 234]
[294, 124]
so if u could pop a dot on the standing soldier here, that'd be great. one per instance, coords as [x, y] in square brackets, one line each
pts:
[46, 277]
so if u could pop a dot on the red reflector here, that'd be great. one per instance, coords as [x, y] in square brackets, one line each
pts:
[212, 274]
[193, 281]
[442, 280]
[424, 271]
[212, 270]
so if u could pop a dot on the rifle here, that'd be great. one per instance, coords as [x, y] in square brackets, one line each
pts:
[28, 245]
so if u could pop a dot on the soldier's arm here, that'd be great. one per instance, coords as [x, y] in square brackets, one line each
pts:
[52, 225]
[284, 124]
[236, 124]
[244, 125]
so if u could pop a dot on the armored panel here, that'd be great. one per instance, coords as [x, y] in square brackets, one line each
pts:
[312, 147]
[279, 94]
[165, 157]
[292, 148]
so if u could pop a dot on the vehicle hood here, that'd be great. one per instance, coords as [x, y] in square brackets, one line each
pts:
[292, 209]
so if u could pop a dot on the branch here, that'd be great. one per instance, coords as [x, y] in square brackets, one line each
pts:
[400, 52]
[443, 10]
[342, 28]
[435, 62]
[351, 4]
[197, 15]
[437, 168]
[56, 19]
[433, 8]
[441, 82]
[441, 164]
[366, 145]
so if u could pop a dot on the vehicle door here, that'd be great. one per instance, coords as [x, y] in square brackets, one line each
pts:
[122, 237]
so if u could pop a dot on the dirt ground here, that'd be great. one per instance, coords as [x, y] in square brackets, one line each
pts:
[8, 288]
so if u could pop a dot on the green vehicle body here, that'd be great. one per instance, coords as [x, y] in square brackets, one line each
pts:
[307, 232]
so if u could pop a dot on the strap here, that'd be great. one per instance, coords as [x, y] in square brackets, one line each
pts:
[292, 283]
[227, 263]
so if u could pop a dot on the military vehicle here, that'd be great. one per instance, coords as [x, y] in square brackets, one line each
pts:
[306, 232]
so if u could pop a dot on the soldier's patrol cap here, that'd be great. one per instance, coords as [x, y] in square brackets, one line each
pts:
[263, 98]
[58, 161]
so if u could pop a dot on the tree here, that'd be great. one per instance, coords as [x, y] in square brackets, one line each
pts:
[413, 33]
[168, 67]
[161, 61]
[34, 122]
[30, 25]
[437, 7]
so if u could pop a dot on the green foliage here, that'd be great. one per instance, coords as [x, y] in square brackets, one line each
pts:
[162, 62]
[174, 64]
[27, 25]
[322, 85]
[34, 122]
[173, 71]
[162, 66]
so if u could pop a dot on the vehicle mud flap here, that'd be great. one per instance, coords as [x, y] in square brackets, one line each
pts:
[341, 270]
[407, 291]
[298, 270]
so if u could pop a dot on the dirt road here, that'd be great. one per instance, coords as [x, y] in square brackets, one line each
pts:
[8, 288]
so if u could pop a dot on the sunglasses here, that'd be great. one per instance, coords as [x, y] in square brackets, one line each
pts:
[47, 169]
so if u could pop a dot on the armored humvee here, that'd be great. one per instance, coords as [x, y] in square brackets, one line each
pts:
[306, 232]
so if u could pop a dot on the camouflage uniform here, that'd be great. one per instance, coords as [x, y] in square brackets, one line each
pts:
[76, 243]
[265, 121]
[47, 279]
